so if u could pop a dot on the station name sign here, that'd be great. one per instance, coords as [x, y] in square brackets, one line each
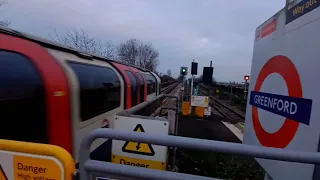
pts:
[297, 109]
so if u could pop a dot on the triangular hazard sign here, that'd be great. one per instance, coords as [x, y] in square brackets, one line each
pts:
[2, 174]
[136, 147]
[206, 100]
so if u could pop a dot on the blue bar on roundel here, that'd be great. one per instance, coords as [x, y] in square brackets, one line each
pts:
[297, 109]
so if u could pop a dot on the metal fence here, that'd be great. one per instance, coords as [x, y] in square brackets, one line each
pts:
[91, 169]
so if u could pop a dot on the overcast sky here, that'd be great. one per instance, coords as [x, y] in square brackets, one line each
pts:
[218, 30]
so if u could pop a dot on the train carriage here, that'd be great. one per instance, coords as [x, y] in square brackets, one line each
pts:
[56, 95]
[142, 84]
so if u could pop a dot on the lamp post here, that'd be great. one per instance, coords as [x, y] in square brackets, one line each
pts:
[231, 90]
[246, 78]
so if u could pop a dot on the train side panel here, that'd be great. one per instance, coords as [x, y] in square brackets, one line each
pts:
[131, 84]
[37, 108]
[97, 95]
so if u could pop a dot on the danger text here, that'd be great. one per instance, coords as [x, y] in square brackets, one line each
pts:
[122, 161]
[143, 163]
[27, 172]
[33, 169]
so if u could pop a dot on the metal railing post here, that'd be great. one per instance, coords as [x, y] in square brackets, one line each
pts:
[173, 162]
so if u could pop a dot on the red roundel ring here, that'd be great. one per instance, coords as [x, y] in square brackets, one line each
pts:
[283, 66]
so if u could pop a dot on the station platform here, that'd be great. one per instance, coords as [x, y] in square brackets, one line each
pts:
[213, 127]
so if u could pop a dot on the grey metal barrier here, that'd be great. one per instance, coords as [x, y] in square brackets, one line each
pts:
[89, 168]
[174, 149]
[175, 109]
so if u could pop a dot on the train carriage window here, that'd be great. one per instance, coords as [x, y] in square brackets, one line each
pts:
[141, 82]
[133, 88]
[22, 100]
[99, 89]
[151, 83]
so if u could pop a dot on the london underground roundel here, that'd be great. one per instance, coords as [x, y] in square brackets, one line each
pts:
[293, 107]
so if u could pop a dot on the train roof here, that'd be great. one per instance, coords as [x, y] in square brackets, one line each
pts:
[61, 47]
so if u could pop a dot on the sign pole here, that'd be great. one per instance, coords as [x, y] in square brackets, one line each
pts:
[231, 90]
[246, 79]
[191, 86]
[245, 91]
[191, 93]
[210, 84]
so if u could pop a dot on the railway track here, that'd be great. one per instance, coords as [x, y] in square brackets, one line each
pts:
[167, 89]
[227, 112]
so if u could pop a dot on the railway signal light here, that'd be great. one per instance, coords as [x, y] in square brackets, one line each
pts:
[246, 77]
[184, 71]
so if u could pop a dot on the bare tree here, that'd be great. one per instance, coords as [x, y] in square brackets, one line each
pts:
[136, 53]
[4, 22]
[169, 72]
[148, 56]
[128, 51]
[79, 39]
[109, 51]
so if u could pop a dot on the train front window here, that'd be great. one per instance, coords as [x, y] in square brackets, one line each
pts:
[133, 88]
[100, 89]
[22, 100]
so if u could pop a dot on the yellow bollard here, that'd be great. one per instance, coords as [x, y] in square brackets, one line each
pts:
[200, 111]
[186, 110]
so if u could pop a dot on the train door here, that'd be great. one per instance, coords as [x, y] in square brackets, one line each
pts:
[134, 88]
[127, 83]
[143, 86]
[34, 94]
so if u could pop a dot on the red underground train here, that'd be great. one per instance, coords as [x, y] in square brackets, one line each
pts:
[53, 94]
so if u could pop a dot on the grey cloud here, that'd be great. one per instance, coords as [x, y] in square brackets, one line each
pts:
[217, 30]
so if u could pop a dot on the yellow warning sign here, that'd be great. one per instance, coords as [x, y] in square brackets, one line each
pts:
[35, 168]
[139, 162]
[136, 147]
[25, 160]
[2, 174]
